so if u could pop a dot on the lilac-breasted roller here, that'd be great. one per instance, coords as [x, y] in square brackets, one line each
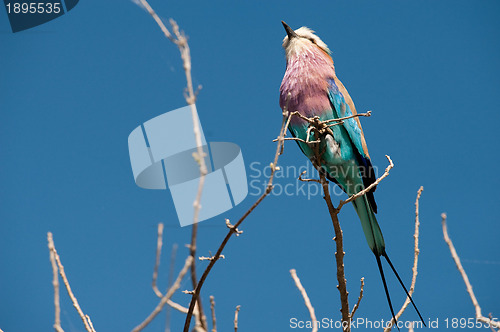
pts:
[311, 87]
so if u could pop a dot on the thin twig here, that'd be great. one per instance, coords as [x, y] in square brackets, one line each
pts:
[309, 129]
[370, 187]
[177, 307]
[356, 306]
[492, 322]
[315, 119]
[303, 117]
[415, 262]
[306, 299]
[164, 299]
[297, 139]
[307, 180]
[172, 304]
[158, 20]
[90, 322]
[211, 258]
[281, 137]
[159, 244]
[72, 296]
[367, 114]
[55, 283]
[212, 308]
[335, 124]
[236, 312]
[234, 229]
[192, 251]
[490, 316]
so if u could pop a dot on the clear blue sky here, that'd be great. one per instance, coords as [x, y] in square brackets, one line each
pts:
[73, 89]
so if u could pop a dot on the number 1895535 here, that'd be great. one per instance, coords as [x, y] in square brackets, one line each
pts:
[34, 8]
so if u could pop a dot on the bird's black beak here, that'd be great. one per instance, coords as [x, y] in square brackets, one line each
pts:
[291, 34]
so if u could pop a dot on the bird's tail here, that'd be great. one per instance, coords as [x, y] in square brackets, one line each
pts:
[372, 231]
[375, 241]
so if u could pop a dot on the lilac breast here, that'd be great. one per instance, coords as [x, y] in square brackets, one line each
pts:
[306, 84]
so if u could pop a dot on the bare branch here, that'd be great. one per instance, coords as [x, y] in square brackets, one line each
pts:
[415, 262]
[177, 307]
[159, 244]
[164, 299]
[339, 256]
[55, 283]
[335, 124]
[309, 129]
[53, 250]
[158, 20]
[306, 299]
[490, 316]
[202, 321]
[316, 121]
[367, 114]
[492, 322]
[211, 258]
[297, 139]
[212, 308]
[281, 137]
[90, 322]
[236, 312]
[233, 228]
[356, 306]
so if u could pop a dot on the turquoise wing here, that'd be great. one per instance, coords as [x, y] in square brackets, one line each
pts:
[342, 109]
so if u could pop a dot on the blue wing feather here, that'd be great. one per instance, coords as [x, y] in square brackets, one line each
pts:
[341, 109]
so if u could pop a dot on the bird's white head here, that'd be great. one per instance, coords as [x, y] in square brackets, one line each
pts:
[300, 41]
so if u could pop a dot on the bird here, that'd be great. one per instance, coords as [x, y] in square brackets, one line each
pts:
[311, 87]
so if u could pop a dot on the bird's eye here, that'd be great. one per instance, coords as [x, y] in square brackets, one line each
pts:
[312, 40]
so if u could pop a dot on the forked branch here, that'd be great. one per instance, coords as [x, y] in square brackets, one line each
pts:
[58, 266]
[167, 296]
